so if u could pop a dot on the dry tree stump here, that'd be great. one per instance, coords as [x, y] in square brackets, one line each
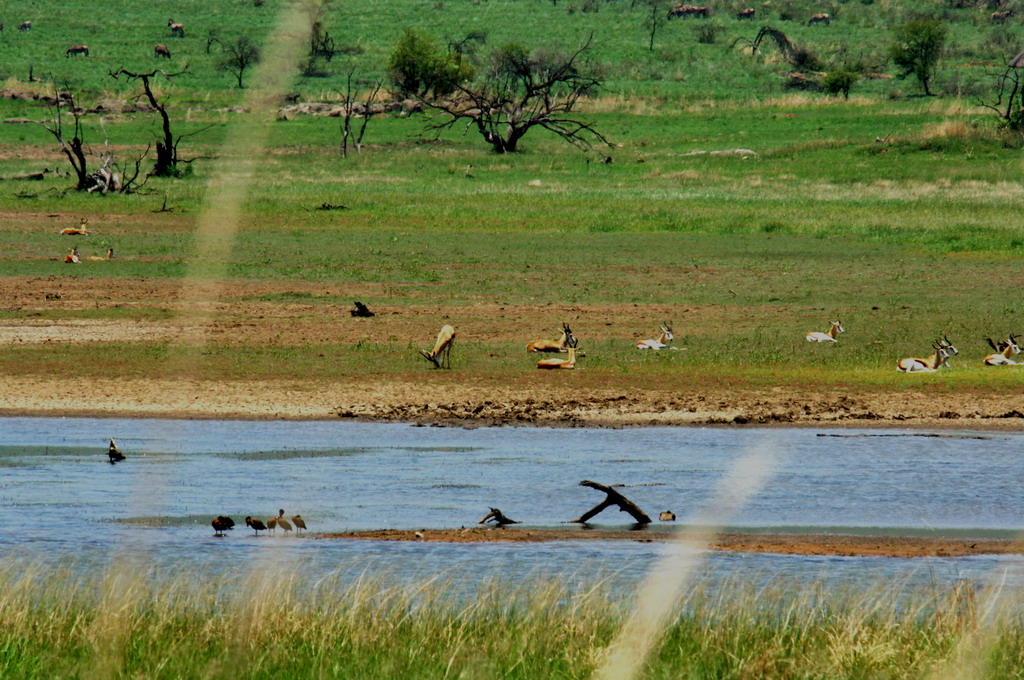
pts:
[613, 498]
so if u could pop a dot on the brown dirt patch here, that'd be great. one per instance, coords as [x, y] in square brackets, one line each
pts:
[787, 544]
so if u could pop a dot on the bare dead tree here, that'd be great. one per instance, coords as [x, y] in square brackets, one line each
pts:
[1009, 96]
[73, 149]
[519, 92]
[237, 56]
[167, 158]
[211, 38]
[109, 176]
[349, 112]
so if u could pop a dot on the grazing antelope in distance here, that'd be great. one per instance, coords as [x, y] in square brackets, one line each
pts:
[161, 51]
[820, 19]
[72, 258]
[828, 336]
[560, 345]
[746, 13]
[77, 49]
[81, 230]
[25, 26]
[1003, 351]
[176, 29]
[1000, 17]
[688, 11]
[256, 525]
[441, 355]
[943, 350]
[662, 340]
[102, 258]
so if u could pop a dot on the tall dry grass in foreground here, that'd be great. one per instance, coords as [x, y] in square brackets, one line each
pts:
[55, 624]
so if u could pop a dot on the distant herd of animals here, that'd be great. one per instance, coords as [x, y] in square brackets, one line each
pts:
[686, 11]
[695, 11]
[177, 30]
[1002, 354]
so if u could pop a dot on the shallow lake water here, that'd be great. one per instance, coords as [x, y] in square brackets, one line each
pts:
[66, 504]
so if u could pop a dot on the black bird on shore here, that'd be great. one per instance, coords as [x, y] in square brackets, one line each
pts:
[114, 453]
[222, 524]
[256, 525]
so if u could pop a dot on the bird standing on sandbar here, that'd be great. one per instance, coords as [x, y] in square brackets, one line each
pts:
[113, 453]
[283, 523]
[221, 524]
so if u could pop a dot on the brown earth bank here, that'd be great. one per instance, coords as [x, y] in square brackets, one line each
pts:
[786, 544]
[469, 405]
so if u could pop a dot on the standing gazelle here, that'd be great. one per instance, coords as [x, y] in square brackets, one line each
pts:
[561, 345]
[662, 340]
[828, 336]
[440, 356]
[943, 350]
[1003, 351]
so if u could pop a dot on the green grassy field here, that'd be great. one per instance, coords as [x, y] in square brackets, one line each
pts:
[276, 626]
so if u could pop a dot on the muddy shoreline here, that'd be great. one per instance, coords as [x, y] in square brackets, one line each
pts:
[840, 545]
[469, 405]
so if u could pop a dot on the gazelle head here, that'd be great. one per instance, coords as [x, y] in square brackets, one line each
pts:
[838, 326]
[944, 350]
[944, 343]
[570, 339]
[1012, 344]
[666, 331]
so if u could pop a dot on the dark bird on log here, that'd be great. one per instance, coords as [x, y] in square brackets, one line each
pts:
[496, 516]
[256, 525]
[222, 524]
[300, 524]
[113, 453]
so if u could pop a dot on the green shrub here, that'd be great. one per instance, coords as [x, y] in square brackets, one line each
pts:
[839, 82]
[419, 67]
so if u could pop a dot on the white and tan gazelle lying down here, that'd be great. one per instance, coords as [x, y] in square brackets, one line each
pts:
[569, 363]
[828, 336]
[1003, 351]
[560, 345]
[440, 356]
[943, 350]
[661, 342]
